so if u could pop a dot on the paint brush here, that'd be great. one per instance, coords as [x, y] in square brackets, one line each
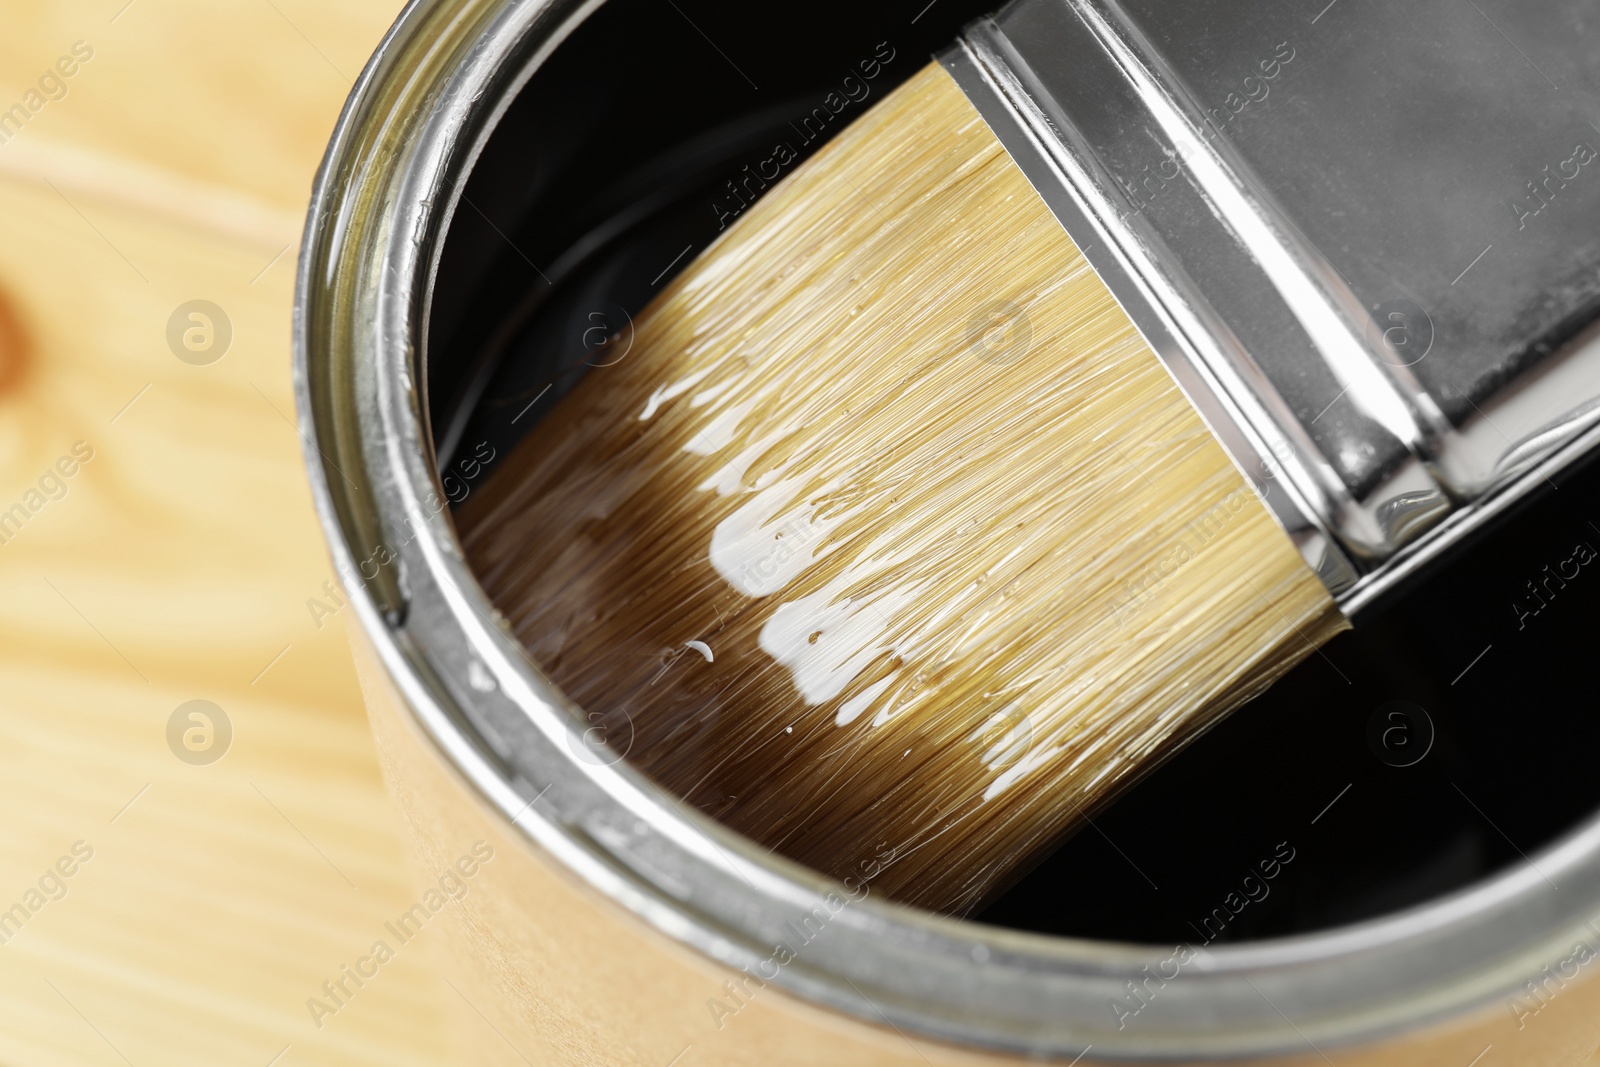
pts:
[1026, 429]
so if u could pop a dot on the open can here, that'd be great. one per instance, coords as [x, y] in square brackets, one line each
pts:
[604, 923]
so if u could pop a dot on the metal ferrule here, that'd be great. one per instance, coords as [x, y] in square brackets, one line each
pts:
[1361, 236]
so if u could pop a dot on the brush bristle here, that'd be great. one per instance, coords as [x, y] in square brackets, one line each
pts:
[959, 557]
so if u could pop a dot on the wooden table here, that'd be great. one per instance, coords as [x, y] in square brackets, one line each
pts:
[177, 563]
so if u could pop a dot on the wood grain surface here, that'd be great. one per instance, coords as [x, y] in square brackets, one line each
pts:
[176, 564]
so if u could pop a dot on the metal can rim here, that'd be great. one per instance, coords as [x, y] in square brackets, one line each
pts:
[383, 199]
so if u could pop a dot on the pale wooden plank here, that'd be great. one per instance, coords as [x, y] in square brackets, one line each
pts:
[177, 564]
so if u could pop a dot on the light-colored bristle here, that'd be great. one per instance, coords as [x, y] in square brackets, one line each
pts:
[890, 536]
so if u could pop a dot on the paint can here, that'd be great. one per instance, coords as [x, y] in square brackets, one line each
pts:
[602, 923]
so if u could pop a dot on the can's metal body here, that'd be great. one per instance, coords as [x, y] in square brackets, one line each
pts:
[614, 927]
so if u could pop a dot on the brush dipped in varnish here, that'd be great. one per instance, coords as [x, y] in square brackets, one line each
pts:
[890, 536]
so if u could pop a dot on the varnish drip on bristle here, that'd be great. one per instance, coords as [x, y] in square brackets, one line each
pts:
[890, 536]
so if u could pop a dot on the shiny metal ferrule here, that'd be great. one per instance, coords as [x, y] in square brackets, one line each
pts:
[1361, 236]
